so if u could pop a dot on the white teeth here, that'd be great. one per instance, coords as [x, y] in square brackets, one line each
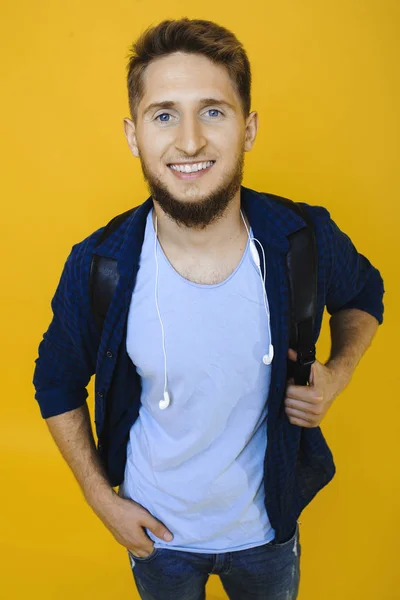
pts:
[192, 168]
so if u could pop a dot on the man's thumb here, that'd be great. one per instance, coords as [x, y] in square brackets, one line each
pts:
[159, 529]
[313, 374]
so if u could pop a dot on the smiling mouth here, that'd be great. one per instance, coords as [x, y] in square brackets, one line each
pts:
[205, 167]
[192, 167]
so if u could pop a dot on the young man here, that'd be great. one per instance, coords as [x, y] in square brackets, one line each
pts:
[195, 418]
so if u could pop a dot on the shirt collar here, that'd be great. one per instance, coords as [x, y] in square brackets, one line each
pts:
[271, 223]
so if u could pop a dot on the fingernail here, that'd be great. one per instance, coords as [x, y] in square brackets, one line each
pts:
[168, 537]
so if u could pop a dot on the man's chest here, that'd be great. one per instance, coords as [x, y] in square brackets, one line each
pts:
[204, 274]
[206, 270]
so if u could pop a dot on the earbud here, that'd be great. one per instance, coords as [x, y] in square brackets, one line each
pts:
[165, 402]
[267, 358]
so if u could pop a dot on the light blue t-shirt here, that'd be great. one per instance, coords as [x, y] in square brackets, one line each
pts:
[197, 466]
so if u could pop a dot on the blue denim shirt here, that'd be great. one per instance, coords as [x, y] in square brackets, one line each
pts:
[298, 461]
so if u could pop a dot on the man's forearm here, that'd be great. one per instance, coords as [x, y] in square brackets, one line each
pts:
[72, 432]
[352, 331]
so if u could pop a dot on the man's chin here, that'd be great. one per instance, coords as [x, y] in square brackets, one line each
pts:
[191, 203]
[188, 196]
[188, 192]
[182, 190]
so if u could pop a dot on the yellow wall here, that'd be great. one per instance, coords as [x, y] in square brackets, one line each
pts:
[326, 90]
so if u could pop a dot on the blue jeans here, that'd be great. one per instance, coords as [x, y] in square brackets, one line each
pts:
[267, 572]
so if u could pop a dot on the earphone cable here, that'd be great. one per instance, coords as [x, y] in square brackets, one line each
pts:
[158, 310]
[266, 305]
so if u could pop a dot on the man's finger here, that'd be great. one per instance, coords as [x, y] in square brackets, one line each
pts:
[314, 374]
[304, 393]
[299, 414]
[300, 422]
[304, 407]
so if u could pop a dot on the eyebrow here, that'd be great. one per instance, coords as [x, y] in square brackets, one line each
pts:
[172, 104]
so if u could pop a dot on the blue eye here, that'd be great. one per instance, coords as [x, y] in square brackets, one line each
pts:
[163, 115]
[215, 110]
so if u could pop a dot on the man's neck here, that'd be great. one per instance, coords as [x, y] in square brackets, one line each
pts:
[214, 239]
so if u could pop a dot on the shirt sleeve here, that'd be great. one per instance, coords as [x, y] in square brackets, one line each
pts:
[66, 360]
[354, 281]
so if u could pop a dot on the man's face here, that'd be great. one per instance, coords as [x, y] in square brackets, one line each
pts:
[190, 113]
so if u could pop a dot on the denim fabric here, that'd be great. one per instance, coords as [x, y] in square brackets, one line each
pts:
[267, 572]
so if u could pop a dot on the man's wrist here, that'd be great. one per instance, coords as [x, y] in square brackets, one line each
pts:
[100, 495]
[341, 372]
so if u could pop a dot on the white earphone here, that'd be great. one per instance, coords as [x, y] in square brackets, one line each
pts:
[267, 358]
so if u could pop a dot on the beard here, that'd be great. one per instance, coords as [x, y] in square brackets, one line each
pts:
[196, 214]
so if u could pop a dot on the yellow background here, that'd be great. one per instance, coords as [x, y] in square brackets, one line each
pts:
[325, 84]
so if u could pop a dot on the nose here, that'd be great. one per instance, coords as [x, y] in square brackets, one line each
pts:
[190, 139]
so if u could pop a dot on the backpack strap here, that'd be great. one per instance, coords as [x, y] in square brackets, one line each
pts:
[104, 276]
[302, 267]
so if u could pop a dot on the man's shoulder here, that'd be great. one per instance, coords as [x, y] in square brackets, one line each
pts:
[317, 212]
[94, 241]
[314, 210]
[89, 242]
[278, 204]
[84, 248]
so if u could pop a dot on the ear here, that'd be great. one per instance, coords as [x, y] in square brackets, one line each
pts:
[130, 134]
[250, 131]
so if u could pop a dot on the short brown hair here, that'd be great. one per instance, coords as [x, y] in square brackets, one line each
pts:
[193, 36]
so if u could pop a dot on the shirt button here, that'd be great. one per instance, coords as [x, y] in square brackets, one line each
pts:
[109, 354]
[100, 394]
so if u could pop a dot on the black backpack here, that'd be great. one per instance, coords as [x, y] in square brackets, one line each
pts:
[301, 262]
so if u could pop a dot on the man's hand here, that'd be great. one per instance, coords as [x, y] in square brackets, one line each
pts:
[126, 520]
[307, 405]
